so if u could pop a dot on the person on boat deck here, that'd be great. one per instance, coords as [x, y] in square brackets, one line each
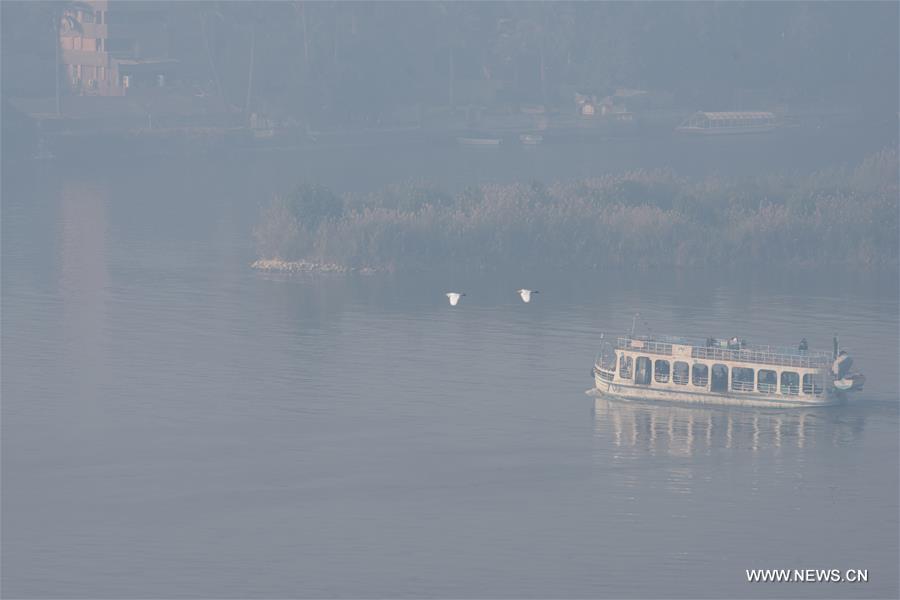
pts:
[804, 345]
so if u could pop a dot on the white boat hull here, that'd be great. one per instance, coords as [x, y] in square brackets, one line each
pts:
[466, 141]
[623, 391]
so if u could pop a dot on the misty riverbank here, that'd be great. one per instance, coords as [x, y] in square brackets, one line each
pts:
[303, 266]
[636, 219]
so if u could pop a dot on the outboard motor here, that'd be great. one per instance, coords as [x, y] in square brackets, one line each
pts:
[841, 365]
[844, 380]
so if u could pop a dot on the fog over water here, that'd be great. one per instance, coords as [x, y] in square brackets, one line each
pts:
[177, 424]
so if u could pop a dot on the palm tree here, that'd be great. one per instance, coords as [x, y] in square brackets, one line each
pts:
[455, 32]
[300, 12]
[210, 9]
[302, 74]
[62, 18]
[250, 69]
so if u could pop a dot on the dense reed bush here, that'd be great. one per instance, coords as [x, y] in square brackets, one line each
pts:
[638, 219]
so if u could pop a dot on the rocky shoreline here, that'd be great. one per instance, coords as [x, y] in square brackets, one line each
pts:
[303, 266]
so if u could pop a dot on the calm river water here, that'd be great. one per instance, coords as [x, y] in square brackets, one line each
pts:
[177, 425]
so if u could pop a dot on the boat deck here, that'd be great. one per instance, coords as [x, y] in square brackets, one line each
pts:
[702, 349]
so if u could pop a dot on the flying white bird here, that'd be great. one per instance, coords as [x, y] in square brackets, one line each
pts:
[454, 298]
[526, 295]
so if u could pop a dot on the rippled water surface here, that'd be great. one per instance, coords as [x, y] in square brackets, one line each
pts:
[176, 425]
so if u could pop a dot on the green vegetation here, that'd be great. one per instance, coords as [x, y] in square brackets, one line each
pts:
[638, 219]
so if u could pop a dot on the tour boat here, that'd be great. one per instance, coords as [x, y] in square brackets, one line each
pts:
[715, 371]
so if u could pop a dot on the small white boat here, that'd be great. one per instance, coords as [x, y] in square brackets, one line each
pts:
[263, 134]
[478, 141]
[851, 383]
[531, 139]
[844, 380]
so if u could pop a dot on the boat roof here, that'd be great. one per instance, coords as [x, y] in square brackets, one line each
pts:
[720, 350]
[731, 116]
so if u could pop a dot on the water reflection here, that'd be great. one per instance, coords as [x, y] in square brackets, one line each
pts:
[686, 431]
[83, 285]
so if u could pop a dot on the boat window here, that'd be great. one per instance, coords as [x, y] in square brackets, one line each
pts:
[812, 384]
[625, 364]
[608, 361]
[642, 368]
[766, 381]
[700, 375]
[742, 379]
[719, 378]
[790, 383]
[680, 372]
[661, 374]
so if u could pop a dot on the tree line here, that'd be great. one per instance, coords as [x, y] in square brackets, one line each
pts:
[641, 219]
[344, 61]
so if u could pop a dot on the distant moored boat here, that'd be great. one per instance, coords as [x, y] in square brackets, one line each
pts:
[478, 141]
[531, 139]
[721, 123]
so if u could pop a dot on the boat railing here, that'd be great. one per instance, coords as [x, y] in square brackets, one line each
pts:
[652, 346]
[809, 388]
[742, 386]
[761, 354]
[606, 375]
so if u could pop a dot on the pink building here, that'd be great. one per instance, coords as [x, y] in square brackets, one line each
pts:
[109, 47]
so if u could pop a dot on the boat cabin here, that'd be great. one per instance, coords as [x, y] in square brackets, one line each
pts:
[714, 367]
